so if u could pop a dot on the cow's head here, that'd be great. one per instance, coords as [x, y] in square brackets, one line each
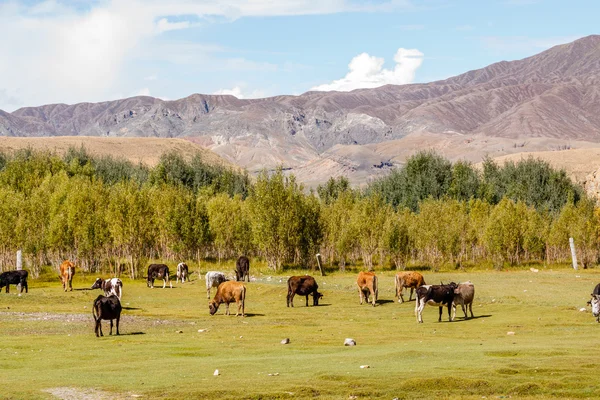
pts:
[97, 284]
[213, 307]
[595, 302]
[316, 297]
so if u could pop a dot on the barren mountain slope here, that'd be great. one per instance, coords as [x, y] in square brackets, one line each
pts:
[555, 94]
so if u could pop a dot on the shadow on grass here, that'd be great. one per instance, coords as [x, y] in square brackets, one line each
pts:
[380, 302]
[250, 315]
[462, 319]
[80, 289]
[131, 308]
[132, 333]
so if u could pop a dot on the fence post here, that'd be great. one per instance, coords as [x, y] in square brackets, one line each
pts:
[319, 264]
[573, 255]
[19, 260]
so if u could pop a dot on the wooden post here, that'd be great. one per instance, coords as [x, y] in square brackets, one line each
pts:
[319, 264]
[19, 260]
[573, 254]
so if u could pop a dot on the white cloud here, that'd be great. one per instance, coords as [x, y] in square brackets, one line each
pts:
[240, 92]
[152, 77]
[367, 71]
[55, 51]
[164, 25]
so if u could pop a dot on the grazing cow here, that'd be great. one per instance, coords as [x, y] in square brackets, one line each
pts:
[434, 295]
[228, 292]
[594, 302]
[242, 269]
[158, 271]
[67, 270]
[407, 279]
[213, 280]
[109, 286]
[303, 286]
[367, 285]
[18, 277]
[106, 308]
[182, 272]
[463, 295]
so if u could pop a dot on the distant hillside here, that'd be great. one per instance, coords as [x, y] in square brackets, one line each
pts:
[507, 107]
[144, 150]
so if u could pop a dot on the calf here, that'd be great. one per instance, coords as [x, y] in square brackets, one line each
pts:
[67, 270]
[303, 286]
[213, 280]
[594, 302]
[463, 295]
[109, 286]
[182, 272]
[242, 269]
[158, 271]
[367, 285]
[228, 292]
[106, 308]
[407, 279]
[18, 277]
[434, 295]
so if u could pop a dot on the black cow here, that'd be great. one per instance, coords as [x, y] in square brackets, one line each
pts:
[303, 286]
[106, 308]
[158, 271]
[18, 277]
[242, 269]
[435, 295]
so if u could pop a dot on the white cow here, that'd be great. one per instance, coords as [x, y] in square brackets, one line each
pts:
[182, 272]
[109, 286]
[213, 280]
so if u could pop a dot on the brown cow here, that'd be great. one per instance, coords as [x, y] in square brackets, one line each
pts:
[303, 286]
[67, 270]
[228, 292]
[407, 279]
[367, 285]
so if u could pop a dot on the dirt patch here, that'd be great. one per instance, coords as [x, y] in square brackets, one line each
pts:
[69, 393]
[44, 316]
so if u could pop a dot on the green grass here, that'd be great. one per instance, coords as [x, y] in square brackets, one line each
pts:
[47, 341]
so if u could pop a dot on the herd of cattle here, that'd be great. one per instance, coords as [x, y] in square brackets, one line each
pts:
[108, 306]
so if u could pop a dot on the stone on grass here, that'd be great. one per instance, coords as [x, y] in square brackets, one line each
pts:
[285, 341]
[349, 342]
[216, 373]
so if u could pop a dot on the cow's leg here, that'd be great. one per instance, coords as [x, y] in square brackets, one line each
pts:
[453, 311]
[373, 297]
[290, 299]
[360, 294]
[400, 296]
[7, 286]
[99, 325]
[419, 309]
[111, 326]
[170, 283]
[227, 309]
[71, 284]
[164, 283]
[440, 318]
[411, 292]
[449, 312]
[118, 318]
[471, 309]
[306, 300]
[464, 308]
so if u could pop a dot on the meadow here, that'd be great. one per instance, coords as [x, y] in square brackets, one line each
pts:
[170, 346]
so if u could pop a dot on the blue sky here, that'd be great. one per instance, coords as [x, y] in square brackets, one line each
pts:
[73, 51]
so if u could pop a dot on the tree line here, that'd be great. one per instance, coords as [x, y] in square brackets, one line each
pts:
[107, 213]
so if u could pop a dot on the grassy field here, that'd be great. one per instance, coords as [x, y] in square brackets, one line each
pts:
[48, 348]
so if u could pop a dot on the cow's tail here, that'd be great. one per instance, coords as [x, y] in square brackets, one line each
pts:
[94, 311]
[70, 273]
[396, 285]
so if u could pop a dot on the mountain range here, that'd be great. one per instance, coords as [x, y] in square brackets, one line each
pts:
[548, 101]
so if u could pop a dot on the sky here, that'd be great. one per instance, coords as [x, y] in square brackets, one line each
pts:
[73, 51]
